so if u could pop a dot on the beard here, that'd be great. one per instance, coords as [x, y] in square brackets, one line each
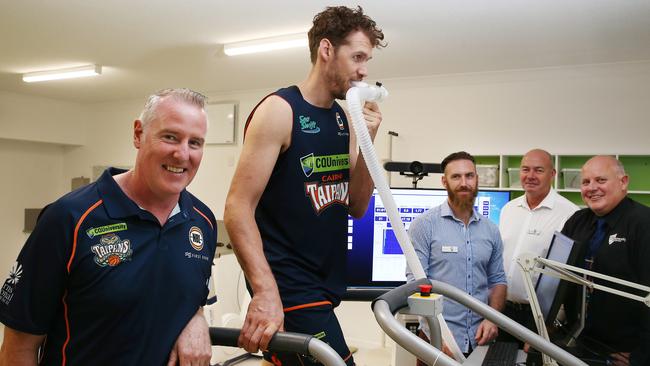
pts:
[465, 203]
[339, 84]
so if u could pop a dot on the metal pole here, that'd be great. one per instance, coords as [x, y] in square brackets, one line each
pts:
[391, 134]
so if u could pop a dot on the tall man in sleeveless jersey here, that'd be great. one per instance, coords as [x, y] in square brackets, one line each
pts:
[298, 178]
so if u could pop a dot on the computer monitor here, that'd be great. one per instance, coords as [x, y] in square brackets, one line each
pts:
[375, 259]
[548, 287]
[552, 292]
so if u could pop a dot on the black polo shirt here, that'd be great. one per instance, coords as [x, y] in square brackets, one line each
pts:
[620, 323]
[105, 282]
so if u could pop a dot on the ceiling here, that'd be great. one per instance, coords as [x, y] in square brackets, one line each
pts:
[145, 45]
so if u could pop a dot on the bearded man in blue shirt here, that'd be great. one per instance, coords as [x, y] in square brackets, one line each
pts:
[458, 246]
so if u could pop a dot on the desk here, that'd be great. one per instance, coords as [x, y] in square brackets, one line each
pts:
[476, 357]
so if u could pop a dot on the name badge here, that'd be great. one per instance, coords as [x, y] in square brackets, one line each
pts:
[449, 249]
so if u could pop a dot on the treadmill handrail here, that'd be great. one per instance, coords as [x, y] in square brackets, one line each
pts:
[409, 341]
[282, 342]
[398, 299]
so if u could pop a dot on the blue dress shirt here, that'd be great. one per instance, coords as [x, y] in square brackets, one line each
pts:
[469, 257]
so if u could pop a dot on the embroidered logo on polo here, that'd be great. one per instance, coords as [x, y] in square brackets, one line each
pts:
[196, 238]
[311, 163]
[106, 229]
[307, 125]
[613, 239]
[7, 291]
[14, 273]
[111, 250]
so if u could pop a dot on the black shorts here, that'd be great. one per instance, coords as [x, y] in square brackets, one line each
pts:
[318, 321]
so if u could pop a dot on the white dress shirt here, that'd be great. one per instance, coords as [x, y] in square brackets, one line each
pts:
[530, 231]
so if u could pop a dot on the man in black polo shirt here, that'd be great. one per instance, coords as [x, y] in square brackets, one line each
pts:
[614, 239]
[115, 272]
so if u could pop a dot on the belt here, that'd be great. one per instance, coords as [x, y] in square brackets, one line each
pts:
[517, 306]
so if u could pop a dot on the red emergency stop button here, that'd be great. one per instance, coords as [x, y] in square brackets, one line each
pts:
[425, 290]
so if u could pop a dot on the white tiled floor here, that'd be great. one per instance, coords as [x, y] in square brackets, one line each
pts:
[372, 357]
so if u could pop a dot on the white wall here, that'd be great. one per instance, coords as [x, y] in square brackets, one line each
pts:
[108, 141]
[587, 109]
[31, 118]
[32, 177]
[33, 131]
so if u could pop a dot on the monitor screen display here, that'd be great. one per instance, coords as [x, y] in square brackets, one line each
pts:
[547, 286]
[375, 258]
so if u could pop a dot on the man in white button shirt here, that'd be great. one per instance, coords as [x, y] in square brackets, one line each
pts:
[527, 224]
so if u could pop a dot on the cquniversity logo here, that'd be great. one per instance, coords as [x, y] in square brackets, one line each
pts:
[324, 163]
[107, 229]
[307, 164]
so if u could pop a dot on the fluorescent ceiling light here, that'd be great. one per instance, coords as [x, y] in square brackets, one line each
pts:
[265, 44]
[75, 72]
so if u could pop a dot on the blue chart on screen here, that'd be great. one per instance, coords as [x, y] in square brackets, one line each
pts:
[391, 246]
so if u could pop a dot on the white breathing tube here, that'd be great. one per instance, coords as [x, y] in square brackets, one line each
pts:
[356, 96]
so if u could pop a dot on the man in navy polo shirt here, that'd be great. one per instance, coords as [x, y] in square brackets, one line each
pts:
[116, 272]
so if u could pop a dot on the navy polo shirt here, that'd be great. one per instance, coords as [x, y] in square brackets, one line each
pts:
[105, 282]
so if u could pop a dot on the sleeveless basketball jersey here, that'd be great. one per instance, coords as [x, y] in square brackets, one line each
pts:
[303, 213]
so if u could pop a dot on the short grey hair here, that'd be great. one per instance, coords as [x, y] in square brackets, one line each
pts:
[183, 94]
[620, 169]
